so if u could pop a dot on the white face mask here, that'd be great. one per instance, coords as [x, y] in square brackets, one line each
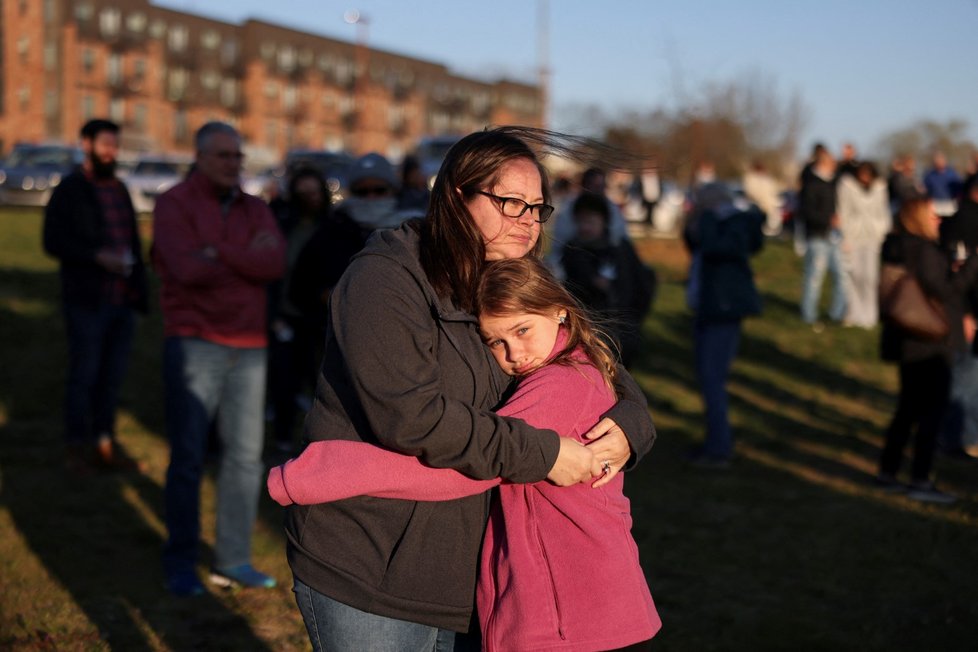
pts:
[372, 213]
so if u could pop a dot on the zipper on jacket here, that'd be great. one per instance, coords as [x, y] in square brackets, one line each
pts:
[550, 575]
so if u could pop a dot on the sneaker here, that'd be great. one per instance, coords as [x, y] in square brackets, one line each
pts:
[889, 483]
[703, 460]
[926, 492]
[184, 584]
[110, 457]
[244, 575]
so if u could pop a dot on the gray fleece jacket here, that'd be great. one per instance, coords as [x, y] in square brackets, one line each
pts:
[405, 369]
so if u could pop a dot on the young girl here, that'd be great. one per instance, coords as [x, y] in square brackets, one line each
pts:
[559, 567]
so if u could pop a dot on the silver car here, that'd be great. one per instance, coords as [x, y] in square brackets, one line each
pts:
[151, 177]
[31, 172]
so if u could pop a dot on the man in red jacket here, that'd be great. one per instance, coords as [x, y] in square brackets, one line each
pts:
[215, 249]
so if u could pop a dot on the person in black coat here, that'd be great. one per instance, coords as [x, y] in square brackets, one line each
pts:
[90, 227]
[925, 364]
[721, 292]
[959, 434]
[607, 278]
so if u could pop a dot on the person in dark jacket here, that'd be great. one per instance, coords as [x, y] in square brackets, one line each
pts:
[816, 210]
[721, 292]
[90, 227]
[959, 434]
[607, 278]
[295, 329]
[925, 365]
[405, 367]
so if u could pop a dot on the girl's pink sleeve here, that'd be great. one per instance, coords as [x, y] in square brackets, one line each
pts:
[333, 470]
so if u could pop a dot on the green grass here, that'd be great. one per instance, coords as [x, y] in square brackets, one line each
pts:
[790, 549]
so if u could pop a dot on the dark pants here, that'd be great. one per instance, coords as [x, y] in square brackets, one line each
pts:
[99, 341]
[292, 364]
[716, 346]
[923, 398]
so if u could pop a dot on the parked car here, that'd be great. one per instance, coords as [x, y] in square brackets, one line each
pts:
[151, 177]
[430, 152]
[31, 172]
[334, 166]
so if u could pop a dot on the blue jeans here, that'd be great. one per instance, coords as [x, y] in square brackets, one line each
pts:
[333, 625]
[204, 380]
[960, 428]
[99, 341]
[716, 345]
[822, 254]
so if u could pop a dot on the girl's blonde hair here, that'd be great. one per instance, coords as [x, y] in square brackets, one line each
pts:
[525, 285]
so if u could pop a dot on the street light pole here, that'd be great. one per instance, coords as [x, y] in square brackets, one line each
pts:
[354, 17]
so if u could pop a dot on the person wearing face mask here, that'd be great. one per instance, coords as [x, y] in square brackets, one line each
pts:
[90, 227]
[372, 202]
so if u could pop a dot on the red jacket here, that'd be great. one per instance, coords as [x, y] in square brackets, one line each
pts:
[221, 298]
[559, 570]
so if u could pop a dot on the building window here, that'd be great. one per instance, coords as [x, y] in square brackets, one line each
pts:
[271, 134]
[24, 97]
[306, 57]
[139, 117]
[210, 40]
[229, 92]
[84, 11]
[157, 28]
[109, 22]
[50, 11]
[286, 59]
[267, 50]
[229, 52]
[88, 60]
[113, 70]
[50, 56]
[180, 131]
[50, 103]
[210, 80]
[139, 69]
[136, 22]
[271, 90]
[177, 84]
[23, 48]
[117, 110]
[88, 107]
[289, 97]
[177, 39]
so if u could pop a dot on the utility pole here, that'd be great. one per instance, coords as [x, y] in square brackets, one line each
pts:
[543, 57]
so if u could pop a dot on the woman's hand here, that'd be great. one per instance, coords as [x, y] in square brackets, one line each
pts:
[610, 448]
[574, 464]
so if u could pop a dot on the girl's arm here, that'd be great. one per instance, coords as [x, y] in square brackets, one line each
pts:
[337, 469]
[554, 397]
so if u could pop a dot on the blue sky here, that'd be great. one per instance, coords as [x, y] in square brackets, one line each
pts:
[864, 67]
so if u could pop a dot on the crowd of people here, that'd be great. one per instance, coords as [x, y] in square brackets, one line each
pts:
[424, 330]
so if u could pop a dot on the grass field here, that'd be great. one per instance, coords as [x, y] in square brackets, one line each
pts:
[790, 549]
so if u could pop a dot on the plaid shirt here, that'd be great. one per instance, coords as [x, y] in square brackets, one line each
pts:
[114, 201]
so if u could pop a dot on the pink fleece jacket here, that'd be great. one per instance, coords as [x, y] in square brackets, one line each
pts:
[559, 568]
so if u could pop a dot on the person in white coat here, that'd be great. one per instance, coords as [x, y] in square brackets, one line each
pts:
[864, 219]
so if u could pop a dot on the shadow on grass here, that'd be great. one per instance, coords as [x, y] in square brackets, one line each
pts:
[95, 535]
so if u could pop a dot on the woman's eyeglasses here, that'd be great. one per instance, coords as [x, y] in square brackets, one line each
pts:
[514, 208]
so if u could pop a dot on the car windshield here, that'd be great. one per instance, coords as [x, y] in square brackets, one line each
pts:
[41, 157]
[159, 169]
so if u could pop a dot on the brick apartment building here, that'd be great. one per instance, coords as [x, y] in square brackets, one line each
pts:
[162, 73]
